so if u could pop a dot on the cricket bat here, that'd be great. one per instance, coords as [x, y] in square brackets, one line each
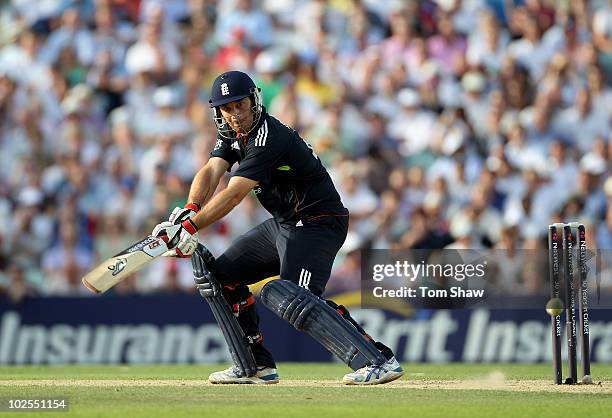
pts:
[115, 269]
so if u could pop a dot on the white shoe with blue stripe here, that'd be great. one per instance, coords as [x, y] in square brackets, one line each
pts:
[264, 375]
[375, 375]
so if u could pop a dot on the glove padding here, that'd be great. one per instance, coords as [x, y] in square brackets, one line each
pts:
[182, 238]
[179, 215]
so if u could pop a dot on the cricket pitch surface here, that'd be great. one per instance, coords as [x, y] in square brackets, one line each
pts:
[311, 390]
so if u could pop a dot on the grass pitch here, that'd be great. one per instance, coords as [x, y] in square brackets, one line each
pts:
[311, 390]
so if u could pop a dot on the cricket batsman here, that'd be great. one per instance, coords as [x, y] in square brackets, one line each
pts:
[300, 241]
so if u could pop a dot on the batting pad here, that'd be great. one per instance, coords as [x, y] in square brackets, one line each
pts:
[311, 314]
[210, 289]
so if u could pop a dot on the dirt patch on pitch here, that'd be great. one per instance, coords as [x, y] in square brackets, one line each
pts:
[510, 385]
[469, 384]
[495, 381]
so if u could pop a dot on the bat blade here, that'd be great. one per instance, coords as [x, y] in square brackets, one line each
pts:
[121, 265]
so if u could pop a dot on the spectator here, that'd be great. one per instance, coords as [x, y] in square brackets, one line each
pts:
[412, 127]
[487, 46]
[20, 62]
[251, 25]
[602, 35]
[66, 262]
[447, 48]
[70, 34]
[531, 50]
[582, 122]
[18, 287]
[152, 54]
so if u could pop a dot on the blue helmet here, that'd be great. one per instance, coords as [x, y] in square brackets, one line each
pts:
[229, 87]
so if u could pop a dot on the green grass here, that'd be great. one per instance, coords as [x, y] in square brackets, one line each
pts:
[406, 398]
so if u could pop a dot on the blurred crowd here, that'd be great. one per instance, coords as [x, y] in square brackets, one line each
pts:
[444, 123]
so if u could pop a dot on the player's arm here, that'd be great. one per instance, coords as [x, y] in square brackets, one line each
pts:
[224, 202]
[202, 189]
[206, 181]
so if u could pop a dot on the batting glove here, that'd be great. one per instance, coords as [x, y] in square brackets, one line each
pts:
[179, 215]
[181, 239]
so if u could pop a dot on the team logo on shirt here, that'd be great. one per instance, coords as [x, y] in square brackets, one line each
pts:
[224, 89]
[218, 144]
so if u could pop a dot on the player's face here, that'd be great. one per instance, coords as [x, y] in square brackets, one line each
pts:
[239, 115]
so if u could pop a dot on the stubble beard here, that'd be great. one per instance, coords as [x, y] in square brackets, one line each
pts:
[239, 128]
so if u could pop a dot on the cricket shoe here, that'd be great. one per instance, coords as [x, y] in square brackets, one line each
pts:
[264, 375]
[375, 375]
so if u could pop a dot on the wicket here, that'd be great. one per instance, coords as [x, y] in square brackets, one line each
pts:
[567, 253]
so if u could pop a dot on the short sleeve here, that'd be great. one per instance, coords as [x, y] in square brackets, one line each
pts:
[223, 150]
[261, 160]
